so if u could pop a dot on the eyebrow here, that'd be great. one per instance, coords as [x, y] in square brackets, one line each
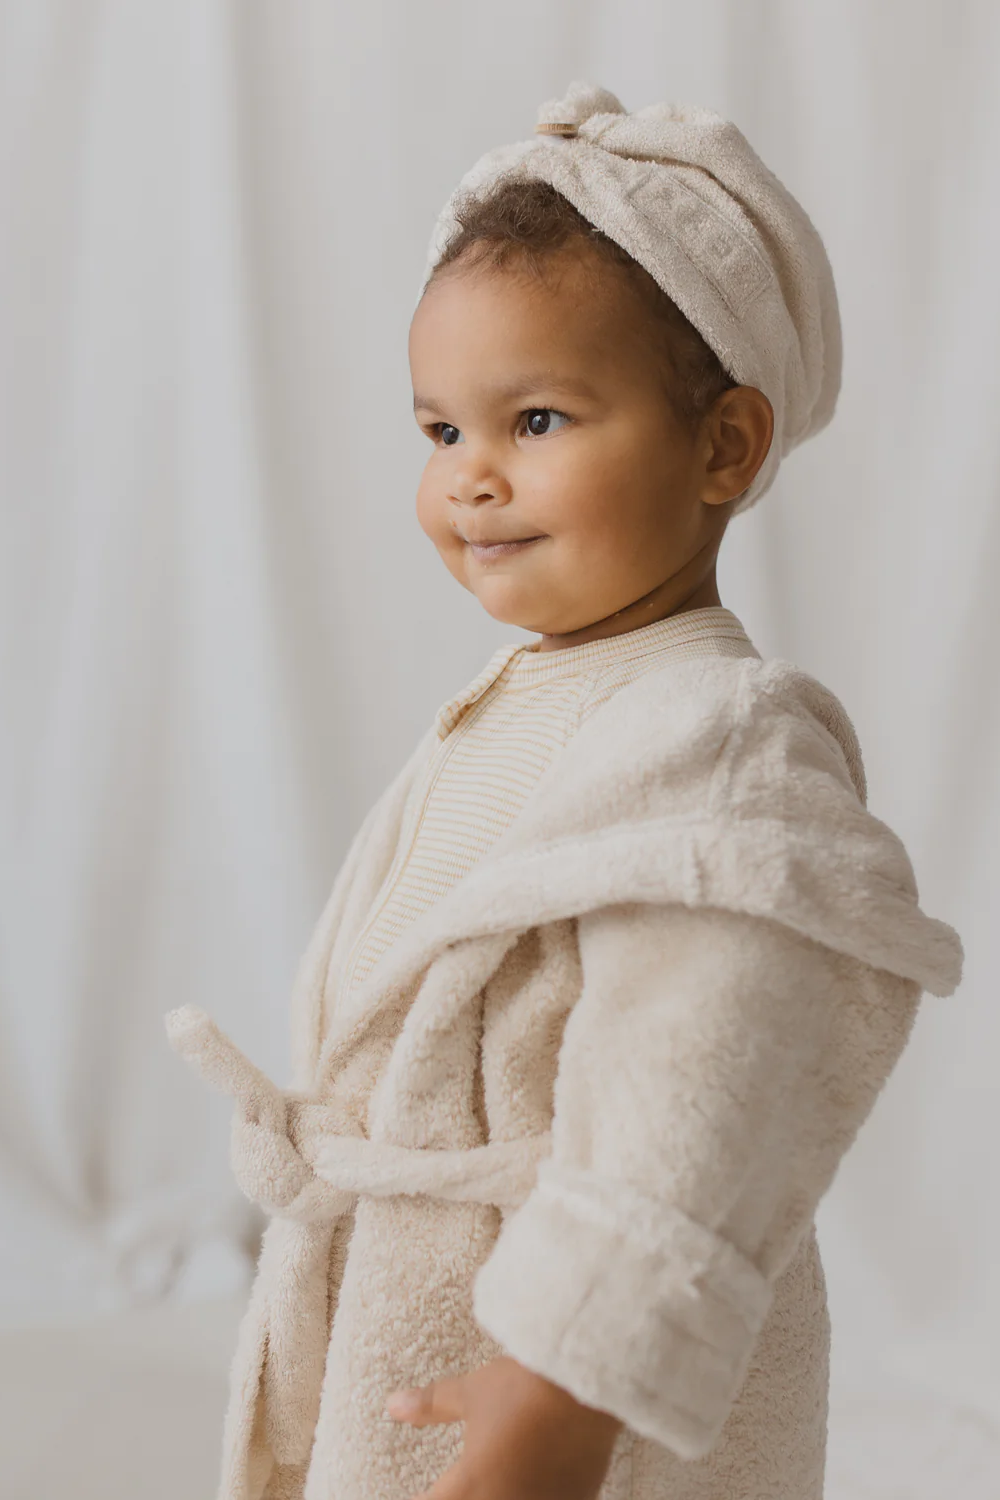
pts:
[514, 390]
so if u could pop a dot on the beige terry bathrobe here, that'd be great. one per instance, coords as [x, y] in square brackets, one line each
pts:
[585, 1107]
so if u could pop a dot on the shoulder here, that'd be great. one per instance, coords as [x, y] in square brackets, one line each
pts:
[734, 714]
[724, 782]
[790, 707]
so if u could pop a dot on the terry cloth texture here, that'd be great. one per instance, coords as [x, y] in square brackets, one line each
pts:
[684, 193]
[584, 1108]
[497, 737]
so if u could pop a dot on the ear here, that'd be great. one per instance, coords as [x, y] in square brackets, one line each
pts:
[737, 432]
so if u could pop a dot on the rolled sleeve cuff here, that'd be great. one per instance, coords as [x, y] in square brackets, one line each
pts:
[625, 1302]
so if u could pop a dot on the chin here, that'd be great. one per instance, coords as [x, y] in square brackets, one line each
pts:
[505, 616]
[524, 619]
[500, 605]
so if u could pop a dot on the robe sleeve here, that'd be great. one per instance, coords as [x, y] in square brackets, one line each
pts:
[714, 1070]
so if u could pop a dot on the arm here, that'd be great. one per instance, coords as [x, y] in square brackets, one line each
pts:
[712, 1074]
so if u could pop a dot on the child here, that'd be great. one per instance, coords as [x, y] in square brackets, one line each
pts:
[617, 966]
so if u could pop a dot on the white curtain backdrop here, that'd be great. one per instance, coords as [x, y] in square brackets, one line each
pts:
[222, 629]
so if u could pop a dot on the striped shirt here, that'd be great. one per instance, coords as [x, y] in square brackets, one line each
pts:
[495, 739]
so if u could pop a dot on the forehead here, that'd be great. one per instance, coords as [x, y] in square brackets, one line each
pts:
[478, 321]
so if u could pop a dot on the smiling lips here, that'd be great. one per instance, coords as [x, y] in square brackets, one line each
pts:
[486, 551]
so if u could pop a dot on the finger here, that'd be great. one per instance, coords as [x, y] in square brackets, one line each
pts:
[422, 1406]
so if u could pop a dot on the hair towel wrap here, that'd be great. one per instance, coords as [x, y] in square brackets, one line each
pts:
[684, 193]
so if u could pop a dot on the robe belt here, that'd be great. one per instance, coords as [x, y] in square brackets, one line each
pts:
[288, 1158]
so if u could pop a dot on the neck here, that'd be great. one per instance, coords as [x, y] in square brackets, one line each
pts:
[673, 597]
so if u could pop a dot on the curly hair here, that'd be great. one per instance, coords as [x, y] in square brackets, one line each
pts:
[528, 222]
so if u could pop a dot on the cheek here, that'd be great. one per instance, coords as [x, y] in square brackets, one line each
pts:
[633, 473]
[425, 506]
[437, 523]
[432, 508]
[582, 488]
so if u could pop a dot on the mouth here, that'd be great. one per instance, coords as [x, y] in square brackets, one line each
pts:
[486, 551]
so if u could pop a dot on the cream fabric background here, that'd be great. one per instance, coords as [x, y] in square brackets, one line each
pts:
[222, 629]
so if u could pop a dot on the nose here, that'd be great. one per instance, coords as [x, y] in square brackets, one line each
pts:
[475, 478]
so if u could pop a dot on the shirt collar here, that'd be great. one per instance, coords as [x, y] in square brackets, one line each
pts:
[524, 665]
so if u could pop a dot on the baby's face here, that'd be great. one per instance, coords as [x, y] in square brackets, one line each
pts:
[561, 487]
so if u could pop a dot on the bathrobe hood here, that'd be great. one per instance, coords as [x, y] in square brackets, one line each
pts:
[725, 783]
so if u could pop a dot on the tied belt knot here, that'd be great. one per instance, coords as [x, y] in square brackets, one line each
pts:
[288, 1157]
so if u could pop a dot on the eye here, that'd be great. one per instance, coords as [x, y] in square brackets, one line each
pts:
[449, 435]
[540, 421]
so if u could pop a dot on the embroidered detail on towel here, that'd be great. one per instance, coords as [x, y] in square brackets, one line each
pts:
[737, 271]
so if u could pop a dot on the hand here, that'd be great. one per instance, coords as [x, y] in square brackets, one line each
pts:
[525, 1438]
